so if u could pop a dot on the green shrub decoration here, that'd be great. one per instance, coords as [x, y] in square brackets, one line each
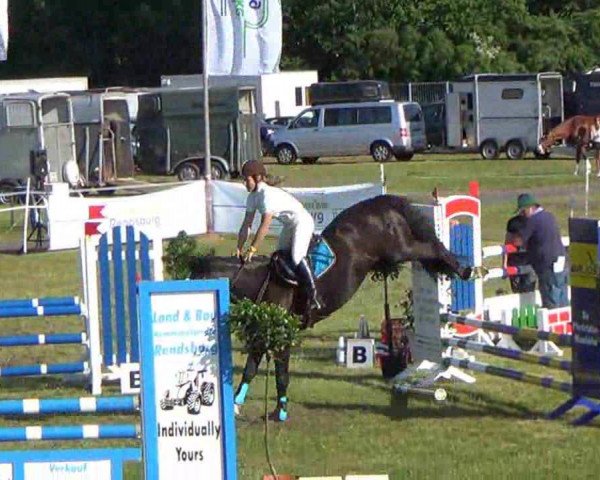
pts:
[264, 327]
[181, 255]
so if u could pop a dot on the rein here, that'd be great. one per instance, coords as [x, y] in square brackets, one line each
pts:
[263, 287]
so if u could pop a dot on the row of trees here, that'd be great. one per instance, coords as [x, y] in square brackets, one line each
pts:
[133, 43]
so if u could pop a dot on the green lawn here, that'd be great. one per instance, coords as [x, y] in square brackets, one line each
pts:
[341, 420]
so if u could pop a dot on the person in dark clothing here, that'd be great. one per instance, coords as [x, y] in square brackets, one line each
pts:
[518, 283]
[545, 251]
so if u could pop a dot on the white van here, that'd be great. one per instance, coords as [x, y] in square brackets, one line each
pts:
[382, 129]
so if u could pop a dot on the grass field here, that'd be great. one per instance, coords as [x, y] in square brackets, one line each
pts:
[340, 419]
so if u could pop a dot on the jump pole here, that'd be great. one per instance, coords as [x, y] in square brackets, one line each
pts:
[517, 375]
[508, 353]
[524, 333]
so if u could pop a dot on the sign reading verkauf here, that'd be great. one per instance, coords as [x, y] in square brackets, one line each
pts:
[186, 380]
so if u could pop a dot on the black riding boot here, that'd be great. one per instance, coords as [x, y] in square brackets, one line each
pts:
[308, 282]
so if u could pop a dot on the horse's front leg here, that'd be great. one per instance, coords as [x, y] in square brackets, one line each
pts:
[282, 380]
[250, 371]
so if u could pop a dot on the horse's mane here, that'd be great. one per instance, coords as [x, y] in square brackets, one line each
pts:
[420, 225]
[207, 266]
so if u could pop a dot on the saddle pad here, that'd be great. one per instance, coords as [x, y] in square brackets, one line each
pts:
[322, 257]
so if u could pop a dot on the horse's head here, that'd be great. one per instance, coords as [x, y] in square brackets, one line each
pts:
[545, 143]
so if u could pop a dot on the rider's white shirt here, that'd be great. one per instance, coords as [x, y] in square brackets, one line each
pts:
[595, 134]
[283, 206]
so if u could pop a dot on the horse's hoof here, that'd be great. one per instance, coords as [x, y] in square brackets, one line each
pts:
[279, 415]
[237, 409]
[467, 273]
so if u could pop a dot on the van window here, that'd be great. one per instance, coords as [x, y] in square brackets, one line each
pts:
[20, 115]
[373, 115]
[412, 112]
[512, 94]
[309, 119]
[55, 110]
[341, 117]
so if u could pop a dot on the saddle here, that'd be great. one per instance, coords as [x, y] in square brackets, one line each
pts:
[320, 258]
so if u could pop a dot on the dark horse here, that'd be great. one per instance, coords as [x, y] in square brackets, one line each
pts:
[576, 131]
[384, 229]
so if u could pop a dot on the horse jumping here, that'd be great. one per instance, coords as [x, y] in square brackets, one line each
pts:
[576, 131]
[382, 230]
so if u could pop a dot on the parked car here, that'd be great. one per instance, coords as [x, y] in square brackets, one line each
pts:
[383, 129]
[267, 127]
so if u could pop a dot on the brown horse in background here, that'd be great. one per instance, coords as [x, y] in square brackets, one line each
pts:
[576, 132]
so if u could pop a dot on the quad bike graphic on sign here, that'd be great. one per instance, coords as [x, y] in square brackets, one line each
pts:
[190, 391]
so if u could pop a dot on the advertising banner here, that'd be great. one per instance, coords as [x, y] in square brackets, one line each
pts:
[585, 305]
[245, 36]
[167, 212]
[186, 377]
[324, 204]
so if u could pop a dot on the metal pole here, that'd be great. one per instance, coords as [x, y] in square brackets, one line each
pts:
[205, 68]
[207, 154]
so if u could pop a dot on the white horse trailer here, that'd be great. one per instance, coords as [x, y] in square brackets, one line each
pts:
[491, 113]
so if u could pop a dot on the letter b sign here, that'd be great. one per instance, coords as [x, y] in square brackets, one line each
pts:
[360, 352]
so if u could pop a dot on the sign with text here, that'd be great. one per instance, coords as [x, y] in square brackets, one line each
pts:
[584, 252]
[82, 464]
[186, 377]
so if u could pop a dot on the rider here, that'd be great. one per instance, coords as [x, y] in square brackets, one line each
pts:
[298, 225]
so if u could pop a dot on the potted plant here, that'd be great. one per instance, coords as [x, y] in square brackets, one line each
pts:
[268, 328]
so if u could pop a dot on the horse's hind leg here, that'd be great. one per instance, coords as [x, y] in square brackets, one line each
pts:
[282, 380]
[250, 371]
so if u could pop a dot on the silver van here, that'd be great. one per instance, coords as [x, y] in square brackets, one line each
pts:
[382, 129]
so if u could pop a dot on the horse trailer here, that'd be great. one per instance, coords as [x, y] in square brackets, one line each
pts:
[37, 139]
[491, 113]
[170, 131]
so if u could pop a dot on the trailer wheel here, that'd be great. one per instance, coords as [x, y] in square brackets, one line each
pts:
[217, 171]
[515, 150]
[489, 150]
[188, 171]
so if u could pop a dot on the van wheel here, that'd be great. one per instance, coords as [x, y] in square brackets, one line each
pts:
[188, 171]
[381, 152]
[489, 150]
[404, 157]
[515, 150]
[285, 155]
[310, 160]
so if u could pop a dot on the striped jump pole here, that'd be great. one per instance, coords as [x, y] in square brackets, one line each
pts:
[546, 382]
[49, 311]
[39, 302]
[50, 406]
[44, 369]
[68, 432]
[508, 353]
[44, 339]
[525, 333]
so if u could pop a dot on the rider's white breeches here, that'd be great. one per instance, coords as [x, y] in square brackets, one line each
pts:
[296, 237]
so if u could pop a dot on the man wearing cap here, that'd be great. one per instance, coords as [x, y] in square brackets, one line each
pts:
[546, 253]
